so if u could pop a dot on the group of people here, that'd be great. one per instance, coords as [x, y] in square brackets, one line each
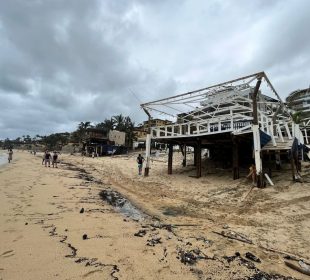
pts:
[48, 157]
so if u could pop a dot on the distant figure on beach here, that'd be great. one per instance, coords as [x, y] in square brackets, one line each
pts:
[55, 159]
[252, 174]
[93, 154]
[47, 158]
[140, 160]
[10, 155]
[34, 152]
[43, 158]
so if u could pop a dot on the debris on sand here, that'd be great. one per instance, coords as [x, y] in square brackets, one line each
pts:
[82, 211]
[241, 260]
[191, 256]
[159, 225]
[232, 258]
[265, 276]
[300, 267]
[123, 205]
[247, 263]
[204, 240]
[252, 257]
[85, 236]
[113, 197]
[187, 257]
[258, 275]
[153, 241]
[234, 235]
[140, 233]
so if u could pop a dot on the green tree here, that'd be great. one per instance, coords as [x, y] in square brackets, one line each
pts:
[297, 117]
[107, 124]
[119, 122]
[80, 133]
[129, 130]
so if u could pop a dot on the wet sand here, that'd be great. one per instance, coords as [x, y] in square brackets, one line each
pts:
[42, 228]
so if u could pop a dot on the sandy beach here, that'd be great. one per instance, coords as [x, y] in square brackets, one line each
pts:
[55, 224]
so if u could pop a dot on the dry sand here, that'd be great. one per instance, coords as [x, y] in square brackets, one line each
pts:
[42, 227]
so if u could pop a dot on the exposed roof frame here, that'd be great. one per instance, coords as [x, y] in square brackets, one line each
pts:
[210, 90]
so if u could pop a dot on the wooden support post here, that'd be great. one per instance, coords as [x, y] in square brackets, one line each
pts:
[198, 158]
[184, 155]
[269, 164]
[236, 174]
[293, 167]
[170, 157]
[195, 155]
[278, 160]
[256, 137]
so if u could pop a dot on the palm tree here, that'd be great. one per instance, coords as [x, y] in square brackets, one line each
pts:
[129, 130]
[107, 124]
[84, 125]
[81, 131]
[119, 122]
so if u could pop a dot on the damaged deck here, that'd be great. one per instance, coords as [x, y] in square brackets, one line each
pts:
[246, 111]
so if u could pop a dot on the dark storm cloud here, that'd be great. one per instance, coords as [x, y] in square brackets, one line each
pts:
[62, 62]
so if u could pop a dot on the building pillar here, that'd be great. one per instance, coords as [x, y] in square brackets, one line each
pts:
[269, 164]
[256, 136]
[198, 158]
[170, 158]
[195, 155]
[236, 174]
[147, 154]
[184, 155]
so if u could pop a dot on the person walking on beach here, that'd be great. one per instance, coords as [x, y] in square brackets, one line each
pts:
[47, 159]
[55, 159]
[43, 158]
[252, 174]
[10, 155]
[140, 160]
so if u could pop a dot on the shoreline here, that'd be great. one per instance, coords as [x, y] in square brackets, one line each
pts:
[3, 159]
[45, 207]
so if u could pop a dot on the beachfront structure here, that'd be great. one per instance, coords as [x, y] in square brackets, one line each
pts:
[246, 112]
[299, 102]
[103, 142]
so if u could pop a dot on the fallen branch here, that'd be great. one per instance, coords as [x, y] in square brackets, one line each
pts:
[175, 225]
[185, 225]
[234, 235]
[248, 193]
[286, 254]
[303, 270]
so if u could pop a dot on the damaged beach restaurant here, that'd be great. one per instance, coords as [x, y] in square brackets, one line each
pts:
[242, 123]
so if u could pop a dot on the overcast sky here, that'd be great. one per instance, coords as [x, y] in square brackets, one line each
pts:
[67, 61]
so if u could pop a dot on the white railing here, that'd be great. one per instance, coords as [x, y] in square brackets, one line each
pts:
[235, 123]
[203, 127]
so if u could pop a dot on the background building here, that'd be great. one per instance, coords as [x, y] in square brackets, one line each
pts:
[299, 101]
[118, 137]
[141, 131]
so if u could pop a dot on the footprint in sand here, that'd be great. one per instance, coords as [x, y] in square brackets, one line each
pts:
[18, 238]
[89, 274]
[7, 254]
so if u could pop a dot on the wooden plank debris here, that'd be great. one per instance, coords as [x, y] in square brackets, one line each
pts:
[234, 235]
